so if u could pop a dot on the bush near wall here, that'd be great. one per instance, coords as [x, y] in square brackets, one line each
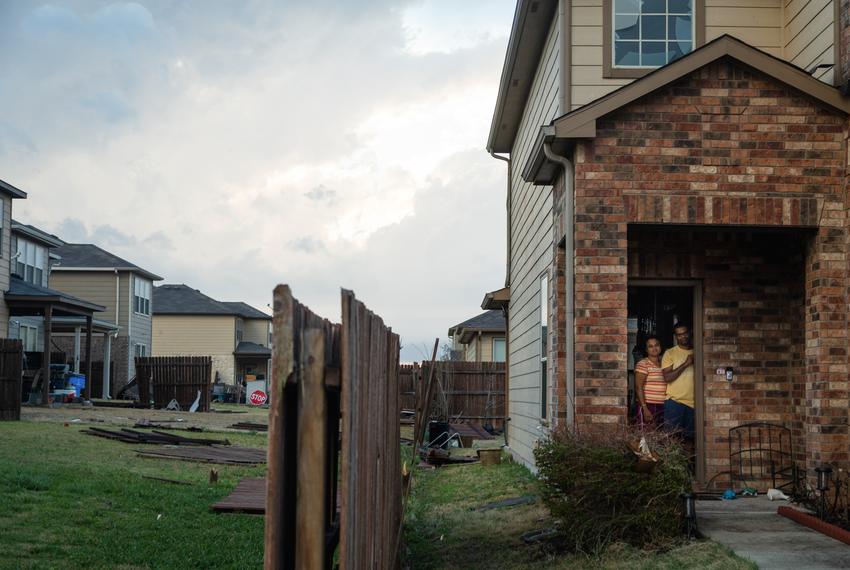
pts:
[590, 485]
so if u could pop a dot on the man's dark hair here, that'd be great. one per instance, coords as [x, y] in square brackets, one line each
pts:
[681, 325]
[649, 338]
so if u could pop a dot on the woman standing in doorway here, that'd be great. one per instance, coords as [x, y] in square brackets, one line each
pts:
[650, 387]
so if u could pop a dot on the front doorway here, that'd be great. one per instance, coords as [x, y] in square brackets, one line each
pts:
[654, 308]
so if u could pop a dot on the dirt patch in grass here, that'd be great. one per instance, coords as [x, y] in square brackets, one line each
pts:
[443, 528]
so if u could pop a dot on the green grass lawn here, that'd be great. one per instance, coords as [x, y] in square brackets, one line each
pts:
[444, 530]
[69, 500]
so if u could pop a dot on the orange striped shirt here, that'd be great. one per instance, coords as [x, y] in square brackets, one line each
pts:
[655, 388]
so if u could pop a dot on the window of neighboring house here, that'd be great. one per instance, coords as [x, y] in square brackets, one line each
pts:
[29, 337]
[544, 342]
[140, 350]
[30, 262]
[641, 35]
[142, 296]
[498, 350]
[238, 331]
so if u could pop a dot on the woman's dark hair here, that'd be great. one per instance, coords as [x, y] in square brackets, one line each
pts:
[649, 338]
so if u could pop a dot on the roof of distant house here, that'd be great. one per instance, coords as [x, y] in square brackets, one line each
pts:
[246, 311]
[184, 300]
[87, 256]
[180, 299]
[9, 189]
[246, 348]
[36, 234]
[488, 321]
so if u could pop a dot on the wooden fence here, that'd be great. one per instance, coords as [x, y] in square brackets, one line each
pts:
[324, 490]
[165, 378]
[97, 378]
[464, 392]
[11, 358]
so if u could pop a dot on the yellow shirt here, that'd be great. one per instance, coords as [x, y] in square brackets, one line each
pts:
[682, 388]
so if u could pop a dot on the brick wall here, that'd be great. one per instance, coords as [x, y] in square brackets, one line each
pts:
[753, 320]
[120, 352]
[725, 146]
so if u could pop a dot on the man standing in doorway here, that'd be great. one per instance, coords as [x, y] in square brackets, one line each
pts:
[678, 369]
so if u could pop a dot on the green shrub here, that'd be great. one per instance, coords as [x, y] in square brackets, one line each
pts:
[590, 485]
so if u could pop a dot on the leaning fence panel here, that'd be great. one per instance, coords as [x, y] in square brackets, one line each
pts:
[11, 392]
[323, 372]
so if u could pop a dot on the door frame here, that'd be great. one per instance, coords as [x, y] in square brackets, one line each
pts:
[699, 373]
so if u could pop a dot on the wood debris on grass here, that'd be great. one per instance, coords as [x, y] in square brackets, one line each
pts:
[249, 426]
[248, 497]
[226, 455]
[132, 436]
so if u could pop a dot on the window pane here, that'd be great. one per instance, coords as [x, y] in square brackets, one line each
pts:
[679, 6]
[30, 254]
[679, 28]
[626, 53]
[675, 50]
[654, 6]
[627, 6]
[626, 28]
[653, 53]
[498, 350]
[652, 27]
[38, 276]
[21, 269]
[29, 276]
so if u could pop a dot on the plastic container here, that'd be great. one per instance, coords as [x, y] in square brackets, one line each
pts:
[77, 382]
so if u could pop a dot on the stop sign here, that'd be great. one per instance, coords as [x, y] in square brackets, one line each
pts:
[258, 397]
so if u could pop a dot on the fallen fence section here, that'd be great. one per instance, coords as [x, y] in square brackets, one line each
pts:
[322, 371]
[10, 379]
[464, 392]
[209, 454]
[165, 378]
[248, 497]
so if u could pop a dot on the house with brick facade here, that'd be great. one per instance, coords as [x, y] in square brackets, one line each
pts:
[678, 161]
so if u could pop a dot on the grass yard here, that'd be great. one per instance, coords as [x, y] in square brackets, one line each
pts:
[69, 500]
[443, 529]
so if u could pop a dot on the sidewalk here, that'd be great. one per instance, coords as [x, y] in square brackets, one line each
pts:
[751, 527]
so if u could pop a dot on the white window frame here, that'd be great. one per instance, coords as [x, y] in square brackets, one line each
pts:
[640, 40]
[544, 344]
[140, 350]
[28, 255]
[504, 342]
[142, 289]
[28, 333]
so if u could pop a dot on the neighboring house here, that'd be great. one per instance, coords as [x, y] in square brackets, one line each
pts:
[123, 288]
[481, 338]
[31, 263]
[236, 335]
[8, 193]
[678, 161]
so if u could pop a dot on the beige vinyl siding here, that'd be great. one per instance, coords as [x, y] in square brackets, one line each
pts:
[756, 22]
[586, 57]
[809, 35]
[256, 330]
[531, 254]
[5, 256]
[93, 286]
[193, 335]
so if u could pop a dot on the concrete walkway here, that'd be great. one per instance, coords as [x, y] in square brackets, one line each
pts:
[751, 527]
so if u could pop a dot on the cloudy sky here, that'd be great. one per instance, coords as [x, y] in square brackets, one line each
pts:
[232, 146]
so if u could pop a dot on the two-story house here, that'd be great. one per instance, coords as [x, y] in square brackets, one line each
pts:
[8, 193]
[236, 335]
[678, 160]
[125, 291]
[480, 339]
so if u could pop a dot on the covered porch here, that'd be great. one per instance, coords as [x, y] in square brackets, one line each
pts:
[60, 313]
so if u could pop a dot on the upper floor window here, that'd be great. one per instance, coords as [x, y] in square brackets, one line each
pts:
[142, 296]
[31, 262]
[140, 350]
[642, 35]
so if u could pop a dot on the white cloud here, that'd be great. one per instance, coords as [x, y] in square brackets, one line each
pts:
[232, 146]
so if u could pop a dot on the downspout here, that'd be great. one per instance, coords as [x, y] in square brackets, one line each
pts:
[569, 273]
[564, 63]
[117, 297]
[509, 206]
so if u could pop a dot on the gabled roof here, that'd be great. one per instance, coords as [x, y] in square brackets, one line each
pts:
[89, 257]
[488, 321]
[532, 19]
[183, 300]
[35, 234]
[11, 190]
[246, 311]
[581, 123]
